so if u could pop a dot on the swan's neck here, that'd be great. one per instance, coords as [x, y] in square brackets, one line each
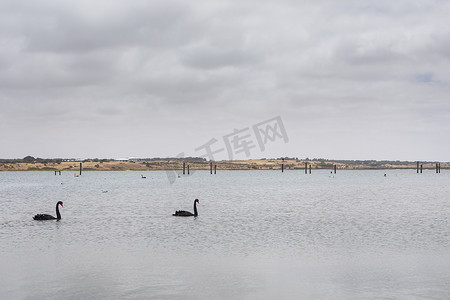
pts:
[58, 215]
[195, 209]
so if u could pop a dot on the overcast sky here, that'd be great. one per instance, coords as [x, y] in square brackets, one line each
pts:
[112, 79]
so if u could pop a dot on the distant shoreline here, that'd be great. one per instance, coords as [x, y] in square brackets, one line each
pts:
[177, 164]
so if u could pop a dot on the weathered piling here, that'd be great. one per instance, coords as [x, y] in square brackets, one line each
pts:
[81, 167]
[184, 168]
[334, 169]
[306, 168]
[55, 172]
[210, 167]
[417, 167]
[188, 169]
[437, 168]
[215, 169]
[309, 168]
[421, 167]
[59, 172]
[282, 168]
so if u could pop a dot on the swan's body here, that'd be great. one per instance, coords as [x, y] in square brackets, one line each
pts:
[183, 213]
[43, 217]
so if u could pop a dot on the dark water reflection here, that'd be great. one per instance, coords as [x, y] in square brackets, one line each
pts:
[259, 235]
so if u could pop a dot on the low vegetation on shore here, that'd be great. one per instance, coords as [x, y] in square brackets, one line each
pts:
[30, 163]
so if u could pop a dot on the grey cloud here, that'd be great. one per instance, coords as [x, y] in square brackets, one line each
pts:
[329, 68]
[64, 27]
[213, 58]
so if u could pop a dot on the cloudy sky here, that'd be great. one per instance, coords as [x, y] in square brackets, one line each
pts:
[111, 79]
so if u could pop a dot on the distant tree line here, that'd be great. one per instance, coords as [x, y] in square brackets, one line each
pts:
[322, 161]
[32, 160]
[288, 158]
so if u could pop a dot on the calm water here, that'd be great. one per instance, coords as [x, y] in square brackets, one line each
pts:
[259, 235]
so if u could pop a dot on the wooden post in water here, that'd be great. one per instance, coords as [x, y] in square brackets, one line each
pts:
[439, 167]
[184, 168]
[421, 167]
[437, 171]
[306, 168]
[55, 173]
[81, 167]
[417, 167]
[309, 168]
[215, 169]
[334, 169]
[282, 168]
[210, 167]
[188, 169]
[59, 172]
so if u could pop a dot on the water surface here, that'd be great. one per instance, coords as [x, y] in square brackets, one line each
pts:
[259, 235]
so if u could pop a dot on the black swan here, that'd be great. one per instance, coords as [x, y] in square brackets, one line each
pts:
[183, 213]
[40, 217]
